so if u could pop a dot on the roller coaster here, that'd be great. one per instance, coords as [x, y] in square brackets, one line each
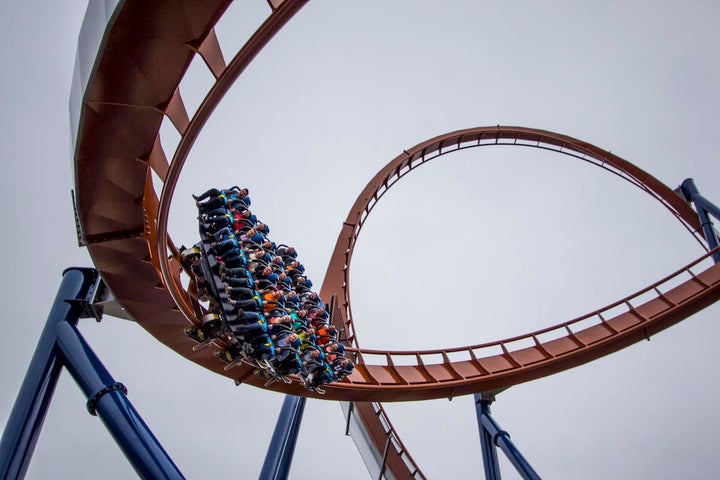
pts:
[123, 217]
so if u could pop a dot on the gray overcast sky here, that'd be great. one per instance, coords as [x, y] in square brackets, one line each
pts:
[473, 247]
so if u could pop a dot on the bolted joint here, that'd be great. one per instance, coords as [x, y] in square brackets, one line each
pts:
[496, 437]
[92, 403]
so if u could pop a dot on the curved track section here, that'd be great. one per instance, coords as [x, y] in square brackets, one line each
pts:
[120, 98]
[414, 375]
[123, 219]
[124, 91]
[118, 153]
[124, 222]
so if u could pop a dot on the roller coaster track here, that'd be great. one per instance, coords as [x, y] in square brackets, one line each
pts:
[412, 375]
[123, 221]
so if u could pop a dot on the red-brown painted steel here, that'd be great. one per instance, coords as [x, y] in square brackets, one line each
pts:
[125, 224]
[124, 220]
[129, 92]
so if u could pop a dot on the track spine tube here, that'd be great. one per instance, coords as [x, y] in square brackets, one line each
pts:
[282, 445]
[107, 398]
[28, 414]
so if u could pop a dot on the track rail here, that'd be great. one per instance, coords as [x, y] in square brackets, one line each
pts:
[124, 223]
[123, 219]
[413, 375]
[120, 99]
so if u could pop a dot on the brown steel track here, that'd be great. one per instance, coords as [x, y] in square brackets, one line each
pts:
[134, 86]
[416, 375]
[147, 49]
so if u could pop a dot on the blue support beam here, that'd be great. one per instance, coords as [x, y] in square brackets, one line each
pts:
[282, 445]
[704, 209]
[492, 434]
[489, 451]
[28, 414]
[107, 400]
[61, 345]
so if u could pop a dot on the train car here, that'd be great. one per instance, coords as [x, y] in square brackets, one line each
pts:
[254, 295]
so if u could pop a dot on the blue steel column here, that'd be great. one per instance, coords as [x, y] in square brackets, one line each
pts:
[499, 437]
[282, 446]
[702, 207]
[28, 414]
[489, 452]
[107, 398]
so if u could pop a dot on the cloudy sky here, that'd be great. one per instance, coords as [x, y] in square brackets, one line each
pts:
[473, 247]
